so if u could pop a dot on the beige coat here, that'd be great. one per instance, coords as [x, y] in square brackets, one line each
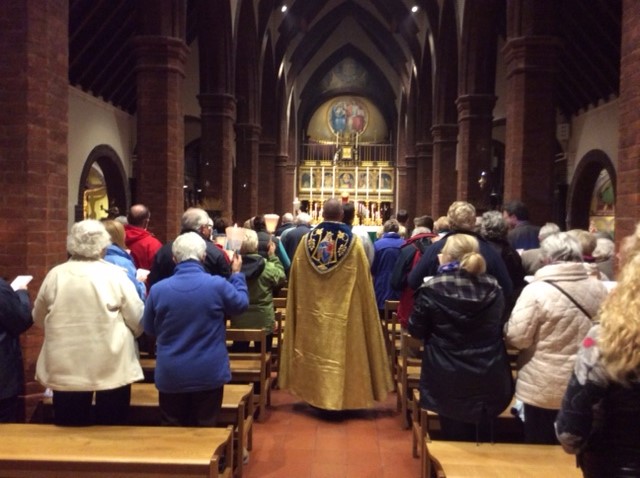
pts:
[548, 328]
[91, 314]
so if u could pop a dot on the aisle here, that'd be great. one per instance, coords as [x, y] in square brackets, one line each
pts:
[296, 441]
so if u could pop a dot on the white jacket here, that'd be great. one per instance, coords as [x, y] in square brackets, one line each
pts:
[548, 328]
[91, 314]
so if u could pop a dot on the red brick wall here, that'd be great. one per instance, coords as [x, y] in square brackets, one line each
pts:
[33, 146]
[628, 193]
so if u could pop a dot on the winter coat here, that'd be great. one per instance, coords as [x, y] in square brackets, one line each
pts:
[465, 369]
[117, 256]
[547, 328]
[15, 318]
[187, 313]
[263, 276]
[142, 244]
[387, 251]
[91, 313]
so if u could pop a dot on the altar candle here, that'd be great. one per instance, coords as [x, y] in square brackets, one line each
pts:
[367, 194]
[322, 187]
[311, 190]
[337, 138]
[356, 198]
[334, 182]
[379, 182]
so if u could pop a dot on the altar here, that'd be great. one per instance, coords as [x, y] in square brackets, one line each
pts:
[369, 185]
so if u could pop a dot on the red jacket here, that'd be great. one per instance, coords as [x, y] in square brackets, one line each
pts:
[142, 245]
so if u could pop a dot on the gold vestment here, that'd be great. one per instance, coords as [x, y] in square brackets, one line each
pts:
[333, 352]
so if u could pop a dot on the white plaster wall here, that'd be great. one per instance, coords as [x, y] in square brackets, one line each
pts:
[92, 122]
[596, 128]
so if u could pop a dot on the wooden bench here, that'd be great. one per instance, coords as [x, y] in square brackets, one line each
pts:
[409, 368]
[237, 411]
[28, 450]
[252, 367]
[464, 459]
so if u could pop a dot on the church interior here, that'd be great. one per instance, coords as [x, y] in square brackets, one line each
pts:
[246, 107]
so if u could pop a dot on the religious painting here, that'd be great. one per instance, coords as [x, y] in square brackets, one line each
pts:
[305, 180]
[384, 181]
[603, 207]
[347, 116]
[346, 180]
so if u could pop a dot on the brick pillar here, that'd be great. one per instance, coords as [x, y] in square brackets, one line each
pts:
[424, 183]
[218, 150]
[475, 115]
[444, 168]
[530, 131]
[406, 186]
[160, 124]
[266, 184]
[628, 186]
[34, 206]
[285, 174]
[246, 171]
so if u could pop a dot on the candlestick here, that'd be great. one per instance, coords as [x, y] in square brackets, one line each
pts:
[333, 177]
[379, 182]
[311, 189]
[357, 180]
[367, 177]
[322, 187]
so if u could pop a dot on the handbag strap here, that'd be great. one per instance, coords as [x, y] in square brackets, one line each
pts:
[569, 297]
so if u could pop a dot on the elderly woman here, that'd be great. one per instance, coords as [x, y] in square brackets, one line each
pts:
[600, 415]
[186, 313]
[547, 324]
[465, 375]
[494, 229]
[263, 276]
[90, 312]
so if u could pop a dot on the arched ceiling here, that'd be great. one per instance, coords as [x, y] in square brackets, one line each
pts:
[312, 33]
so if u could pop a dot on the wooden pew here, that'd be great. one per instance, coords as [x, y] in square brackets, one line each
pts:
[464, 459]
[28, 450]
[237, 411]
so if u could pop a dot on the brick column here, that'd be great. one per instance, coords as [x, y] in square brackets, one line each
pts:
[285, 173]
[424, 183]
[246, 171]
[530, 131]
[628, 186]
[160, 124]
[266, 184]
[218, 149]
[444, 168]
[34, 206]
[475, 115]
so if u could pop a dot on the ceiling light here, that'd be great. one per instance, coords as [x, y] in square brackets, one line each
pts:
[283, 8]
[414, 9]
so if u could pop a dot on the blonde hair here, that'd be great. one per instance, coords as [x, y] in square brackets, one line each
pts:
[116, 231]
[586, 240]
[619, 340]
[462, 216]
[441, 224]
[465, 248]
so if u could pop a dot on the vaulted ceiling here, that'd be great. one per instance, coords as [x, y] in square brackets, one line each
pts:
[313, 35]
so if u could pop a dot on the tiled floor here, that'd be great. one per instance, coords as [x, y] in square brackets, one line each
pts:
[297, 441]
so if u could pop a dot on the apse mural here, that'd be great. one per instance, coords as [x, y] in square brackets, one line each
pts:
[346, 74]
[347, 117]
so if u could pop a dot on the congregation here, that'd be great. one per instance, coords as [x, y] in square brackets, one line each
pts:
[475, 290]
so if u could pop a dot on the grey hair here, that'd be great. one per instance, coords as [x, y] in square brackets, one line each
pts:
[561, 247]
[548, 229]
[493, 225]
[420, 230]
[194, 218]
[189, 245]
[604, 249]
[88, 239]
[249, 242]
[303, 218]
[287, 217]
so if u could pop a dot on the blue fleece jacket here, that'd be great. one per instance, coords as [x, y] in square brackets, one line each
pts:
[186, 313]
[387, 252]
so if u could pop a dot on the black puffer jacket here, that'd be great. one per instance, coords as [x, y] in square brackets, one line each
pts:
[465, 369]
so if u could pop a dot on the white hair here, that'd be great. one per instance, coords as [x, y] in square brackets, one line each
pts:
[420, 230]
[194, 218]
[303, 218]
[561, 247]
[189, 245]
[88, 239]
[604, 249]
[548, 229]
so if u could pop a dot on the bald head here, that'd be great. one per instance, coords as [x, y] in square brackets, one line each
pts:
[332, 210]
[138, 215]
